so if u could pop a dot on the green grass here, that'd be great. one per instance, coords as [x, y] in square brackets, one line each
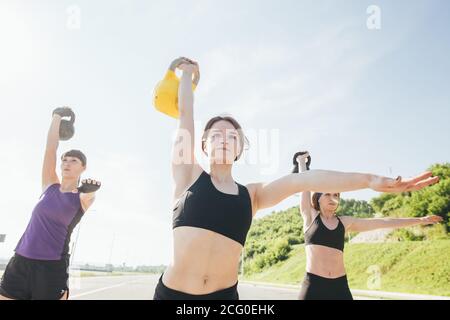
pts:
[421, 267]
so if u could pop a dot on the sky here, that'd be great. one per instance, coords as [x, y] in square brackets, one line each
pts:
[361, 90]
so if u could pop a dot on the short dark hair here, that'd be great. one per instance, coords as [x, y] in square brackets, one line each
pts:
[76, 154]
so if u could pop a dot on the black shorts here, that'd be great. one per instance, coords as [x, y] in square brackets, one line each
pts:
[315, 287]
[164, 293]
[29, 279]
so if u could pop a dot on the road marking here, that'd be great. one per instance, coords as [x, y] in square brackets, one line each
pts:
[101, 289]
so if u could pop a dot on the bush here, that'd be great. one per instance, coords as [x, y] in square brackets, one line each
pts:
[409, 234]
[280, 251]
[294, 240]
[436, 232]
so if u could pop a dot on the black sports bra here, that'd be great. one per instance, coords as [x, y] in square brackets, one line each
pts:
[319, 234]
[203, 206]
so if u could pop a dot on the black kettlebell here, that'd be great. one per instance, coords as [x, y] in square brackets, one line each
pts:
[66, 127]
[294, 161]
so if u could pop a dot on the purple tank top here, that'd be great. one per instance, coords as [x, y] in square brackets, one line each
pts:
[47, 236]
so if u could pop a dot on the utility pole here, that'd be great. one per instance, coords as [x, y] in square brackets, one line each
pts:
[111, 250]
[74, 245]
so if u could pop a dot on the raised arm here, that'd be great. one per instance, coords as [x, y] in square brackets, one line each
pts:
[49, 175]
[305, 204]
[184, 165]
[367, 224]
[270, 194]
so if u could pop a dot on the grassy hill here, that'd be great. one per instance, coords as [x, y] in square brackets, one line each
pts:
[415, 260]
[412, 267]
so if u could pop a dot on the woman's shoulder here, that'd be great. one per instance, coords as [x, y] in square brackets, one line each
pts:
[50, 187]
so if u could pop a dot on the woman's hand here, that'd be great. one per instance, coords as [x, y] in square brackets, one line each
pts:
[302, 160]
[63, 112]
[178, 62]
[175, 63]
[88, 186]
[189, 67]
[383, 184]
[431, 219]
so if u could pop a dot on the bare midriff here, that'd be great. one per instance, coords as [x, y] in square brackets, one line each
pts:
[324, 261]
[203, 261]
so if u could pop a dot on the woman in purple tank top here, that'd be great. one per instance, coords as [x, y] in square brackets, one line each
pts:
[39, 268]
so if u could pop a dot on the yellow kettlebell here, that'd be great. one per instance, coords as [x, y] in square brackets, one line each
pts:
[165, 95]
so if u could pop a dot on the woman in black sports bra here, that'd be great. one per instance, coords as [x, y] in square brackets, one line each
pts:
[212, 213]
[324, 232]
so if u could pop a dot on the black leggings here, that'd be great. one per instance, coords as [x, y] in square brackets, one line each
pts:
[164, 293]
[315, 287]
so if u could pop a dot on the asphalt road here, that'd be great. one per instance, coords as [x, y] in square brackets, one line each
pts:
[142, 288]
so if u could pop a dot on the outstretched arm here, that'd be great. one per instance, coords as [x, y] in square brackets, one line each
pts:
[270, 194]
[88, 190]
[366, 224]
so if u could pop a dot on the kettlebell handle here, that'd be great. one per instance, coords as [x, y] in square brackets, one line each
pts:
[177, 62]
[65, 112]
[72, 116]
